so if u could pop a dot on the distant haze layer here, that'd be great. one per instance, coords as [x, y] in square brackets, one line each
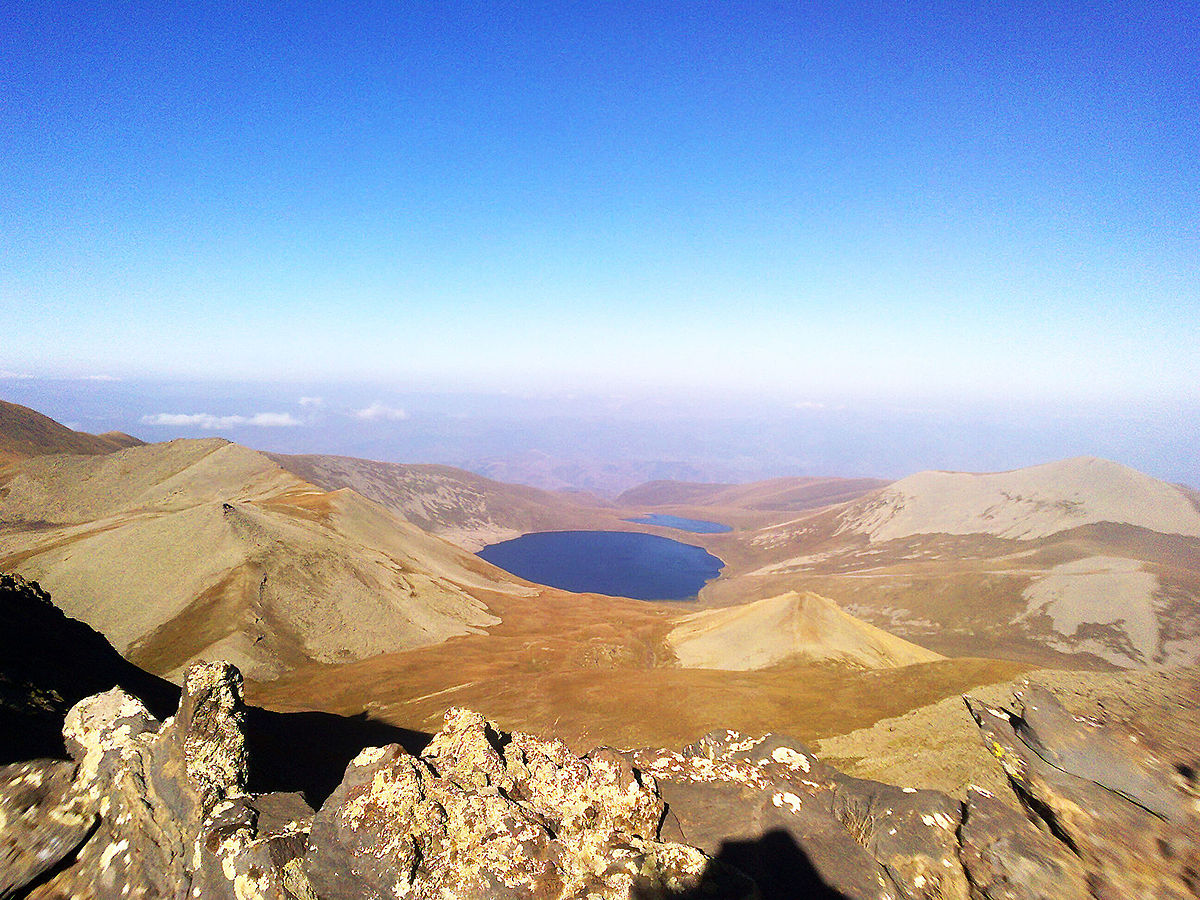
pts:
[608, 442]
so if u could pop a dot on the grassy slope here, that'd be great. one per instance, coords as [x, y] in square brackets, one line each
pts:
[26, 432]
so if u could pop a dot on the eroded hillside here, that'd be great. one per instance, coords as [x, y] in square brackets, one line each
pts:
[204, 549]
[465, 509]
[1078, 563]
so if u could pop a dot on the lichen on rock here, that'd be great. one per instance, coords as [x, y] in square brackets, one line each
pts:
[151, 809]
[483, 814]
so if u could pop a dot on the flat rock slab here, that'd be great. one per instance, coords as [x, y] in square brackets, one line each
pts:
[1127, 850]
[43, 820]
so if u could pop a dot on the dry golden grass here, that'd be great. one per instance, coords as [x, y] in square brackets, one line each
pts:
[214, 614]
[596, 670]
[303, 502]
[10, 561]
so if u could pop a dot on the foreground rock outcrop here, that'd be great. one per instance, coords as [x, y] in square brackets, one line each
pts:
[159, 809]
[482, 814]
[1131, 821]
[156, 809]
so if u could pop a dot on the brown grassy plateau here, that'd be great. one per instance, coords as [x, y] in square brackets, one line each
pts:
[598, 670]
[312, 574]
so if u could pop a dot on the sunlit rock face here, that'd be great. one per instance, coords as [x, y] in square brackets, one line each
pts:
[151, 809]
[484, 814]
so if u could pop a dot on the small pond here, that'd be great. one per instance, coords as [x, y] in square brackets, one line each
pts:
[695, 526]
[617, 563]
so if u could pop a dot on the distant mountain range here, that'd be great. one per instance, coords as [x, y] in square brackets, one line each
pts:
[349, 585]
[204, 549]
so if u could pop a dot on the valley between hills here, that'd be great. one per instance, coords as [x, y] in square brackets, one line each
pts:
[351, 586]
[419, 722]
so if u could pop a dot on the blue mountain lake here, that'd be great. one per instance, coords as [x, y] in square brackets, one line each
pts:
[617, 563]
[695, 526]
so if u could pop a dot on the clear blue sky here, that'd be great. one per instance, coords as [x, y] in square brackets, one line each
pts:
[810, 199]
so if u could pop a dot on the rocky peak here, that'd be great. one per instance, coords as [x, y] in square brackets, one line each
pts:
[484, 814]
[160, 809]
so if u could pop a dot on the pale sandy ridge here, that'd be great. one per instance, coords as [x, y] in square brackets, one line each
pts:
[792, 626]
[1024, 504]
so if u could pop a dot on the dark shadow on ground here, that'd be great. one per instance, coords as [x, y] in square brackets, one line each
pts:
[774, 863]
[49, 662]
[309, 751]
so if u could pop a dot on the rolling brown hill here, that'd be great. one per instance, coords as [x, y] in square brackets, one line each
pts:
[25, 432]
[464, 508]
[205, 549]
[599, 671]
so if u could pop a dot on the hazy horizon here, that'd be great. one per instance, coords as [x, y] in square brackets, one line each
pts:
[588, 441]
[810, 220]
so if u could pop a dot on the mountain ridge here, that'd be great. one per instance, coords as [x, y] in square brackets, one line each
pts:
[793, 494]
[26, 432]
[205, 549]
[198, 548]
[1026, 503]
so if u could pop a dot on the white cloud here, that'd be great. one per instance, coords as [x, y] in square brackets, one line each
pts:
[214, 423]
[311, 401]
[378, 412]
[273, 420]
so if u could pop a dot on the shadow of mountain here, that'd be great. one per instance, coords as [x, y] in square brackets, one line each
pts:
[49, 662]
[309, 751]
[775, 863]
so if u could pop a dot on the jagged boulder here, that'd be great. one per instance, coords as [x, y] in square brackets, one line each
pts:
[151, 809]
[1100, 793]
[249, 852]
[486, 815]
[172, 819]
